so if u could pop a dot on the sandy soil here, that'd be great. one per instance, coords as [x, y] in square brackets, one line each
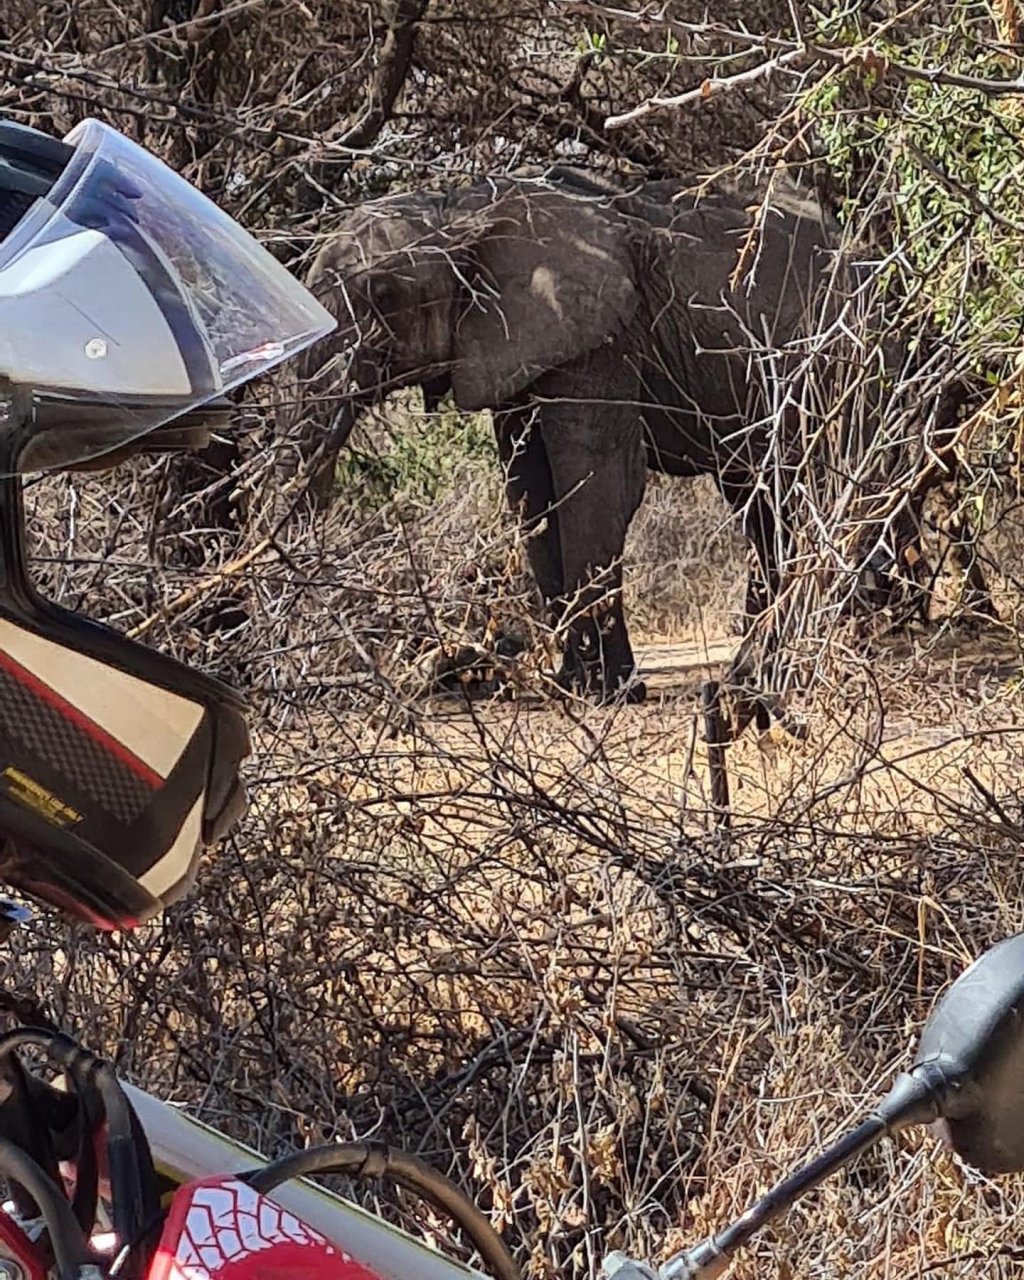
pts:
[941, 743]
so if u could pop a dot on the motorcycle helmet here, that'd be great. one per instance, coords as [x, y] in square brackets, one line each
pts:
[128, 302]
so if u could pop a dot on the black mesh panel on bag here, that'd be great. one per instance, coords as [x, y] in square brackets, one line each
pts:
[70, 751]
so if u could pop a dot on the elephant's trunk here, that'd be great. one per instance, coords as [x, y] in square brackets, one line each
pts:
[329, 392]
[322, 459]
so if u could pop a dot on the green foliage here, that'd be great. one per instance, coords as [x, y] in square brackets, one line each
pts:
[592, 43]
[422, 461]
[931, 174]
[942, 164]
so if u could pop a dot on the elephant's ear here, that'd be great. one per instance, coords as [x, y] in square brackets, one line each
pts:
[551, 277]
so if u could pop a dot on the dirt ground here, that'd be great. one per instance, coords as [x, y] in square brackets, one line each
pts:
[938, 744]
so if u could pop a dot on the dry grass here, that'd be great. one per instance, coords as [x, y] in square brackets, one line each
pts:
[685, 558]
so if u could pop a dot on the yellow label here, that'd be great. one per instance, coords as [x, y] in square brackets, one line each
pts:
[28, 792]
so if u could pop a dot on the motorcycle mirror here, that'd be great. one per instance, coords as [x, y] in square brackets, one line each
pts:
[967, 1075]
[974, 1042]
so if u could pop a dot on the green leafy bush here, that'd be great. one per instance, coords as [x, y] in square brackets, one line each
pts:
[417, 458]
[938, 165]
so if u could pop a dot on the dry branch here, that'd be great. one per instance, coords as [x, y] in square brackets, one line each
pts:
[388, 79]
[495, 930]
[707, 89]
[786, 53]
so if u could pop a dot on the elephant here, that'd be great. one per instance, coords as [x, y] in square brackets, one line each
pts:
[609, 333]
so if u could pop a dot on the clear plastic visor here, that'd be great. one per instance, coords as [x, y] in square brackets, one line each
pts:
[127, 298]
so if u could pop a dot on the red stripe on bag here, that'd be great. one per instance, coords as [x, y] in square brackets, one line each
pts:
[80, 720]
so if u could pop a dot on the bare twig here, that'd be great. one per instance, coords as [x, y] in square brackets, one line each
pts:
[389, 77]
[707, 89]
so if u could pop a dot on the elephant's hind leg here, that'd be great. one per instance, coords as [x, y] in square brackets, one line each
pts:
[753, 672]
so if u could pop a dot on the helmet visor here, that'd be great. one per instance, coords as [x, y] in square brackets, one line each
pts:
[127, 298]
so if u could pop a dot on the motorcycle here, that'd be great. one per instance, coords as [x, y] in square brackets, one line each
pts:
[108, 1181]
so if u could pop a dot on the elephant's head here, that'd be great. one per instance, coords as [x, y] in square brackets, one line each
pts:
[478, 292]
[382, 276]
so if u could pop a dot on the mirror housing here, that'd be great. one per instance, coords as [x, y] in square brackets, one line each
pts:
[974, 1038]
[967, 1078]
[188, 433]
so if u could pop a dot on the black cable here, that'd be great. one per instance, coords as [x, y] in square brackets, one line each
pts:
[86, 1195]
[86, 1198]
[67, 1239]
[76, 1063]
[133, 1192]
[374, 1160]
[132, 1199]
[135, 1199]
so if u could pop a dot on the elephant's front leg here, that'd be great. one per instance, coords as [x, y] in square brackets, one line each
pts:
[598, 468]
[530, 492]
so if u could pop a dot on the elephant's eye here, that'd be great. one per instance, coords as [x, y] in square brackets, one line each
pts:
[382, 292]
